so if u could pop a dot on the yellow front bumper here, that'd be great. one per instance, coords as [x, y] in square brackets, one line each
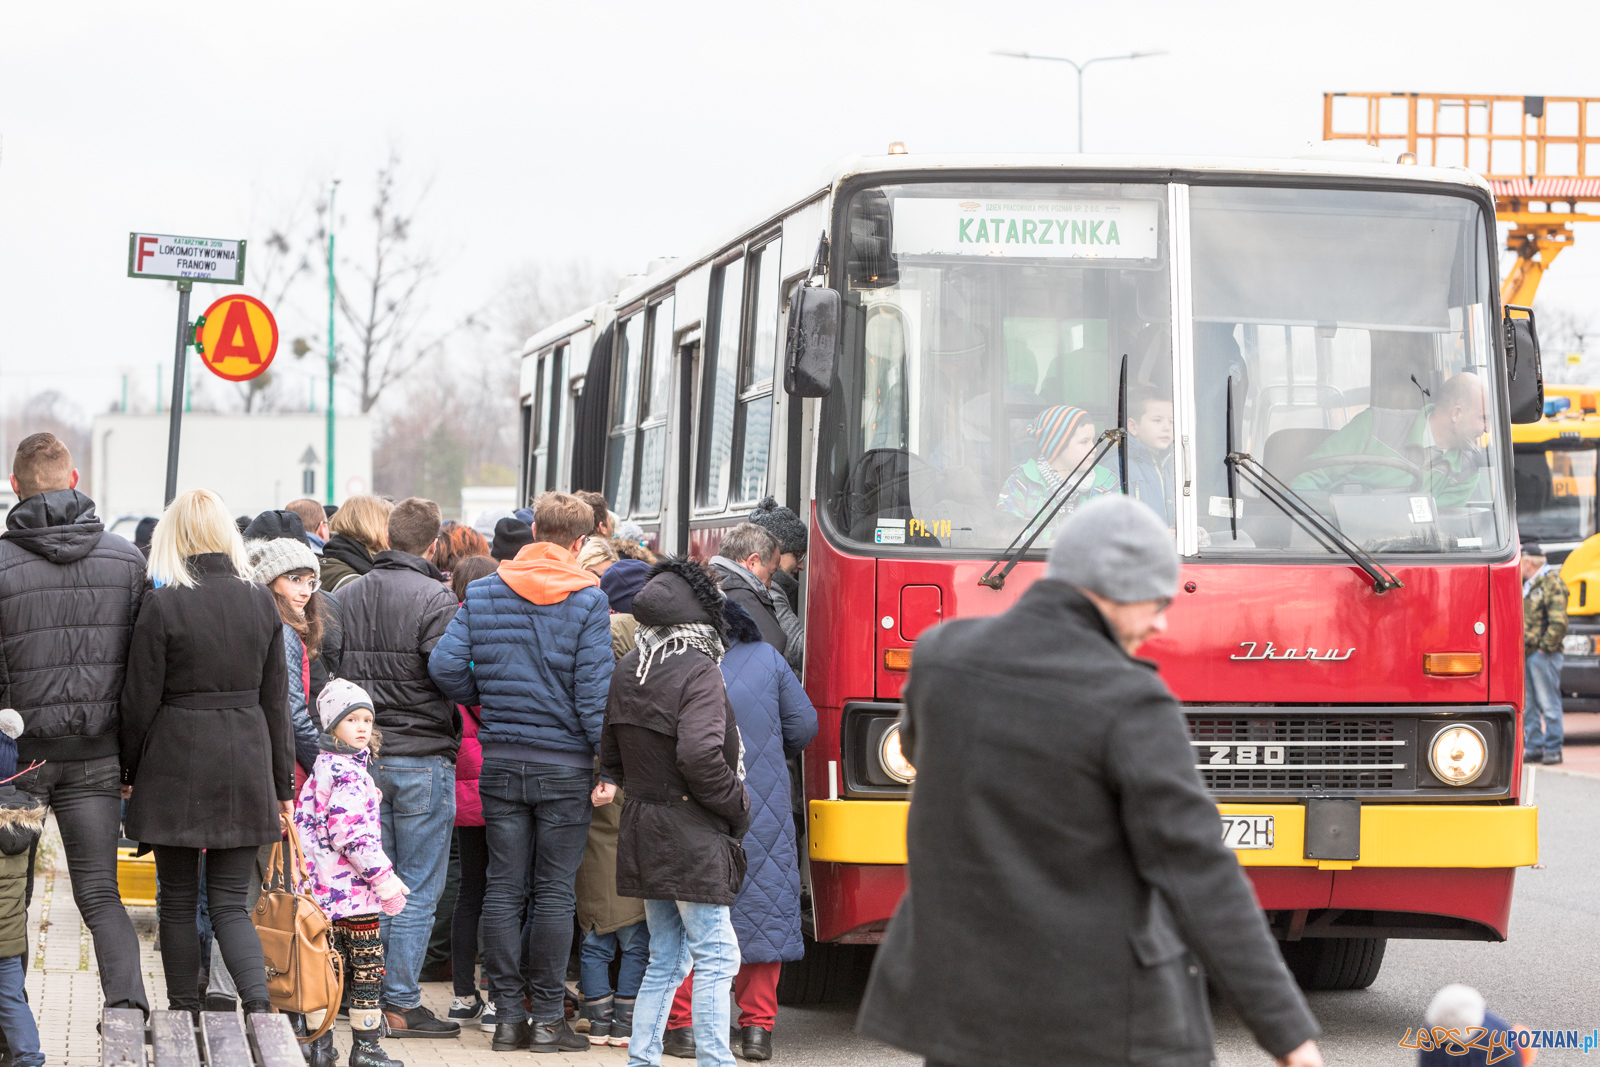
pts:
[1392, 835]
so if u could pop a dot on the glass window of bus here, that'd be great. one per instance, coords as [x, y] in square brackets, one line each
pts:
[536, 439]
[1556, 499]
[719, 393]
[754, 419]
[553, 394]
[656, 380]
[624, 413]
[985, 330]
[1355, 328]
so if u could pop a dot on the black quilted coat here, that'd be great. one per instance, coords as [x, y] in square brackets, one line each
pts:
[69, 593]
[387, 622]
[672, 743]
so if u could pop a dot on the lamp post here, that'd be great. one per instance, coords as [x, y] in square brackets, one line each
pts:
[1080, 68]
[328, 487]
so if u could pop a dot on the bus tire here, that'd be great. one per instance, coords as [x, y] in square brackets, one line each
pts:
[1335, 962]
[828, 973]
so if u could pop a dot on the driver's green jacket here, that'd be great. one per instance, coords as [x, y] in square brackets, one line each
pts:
[1452, 472]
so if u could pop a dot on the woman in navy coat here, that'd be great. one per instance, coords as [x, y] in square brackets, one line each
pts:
[776, 721]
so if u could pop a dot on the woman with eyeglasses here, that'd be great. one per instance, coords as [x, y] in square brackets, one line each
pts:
[288, 568]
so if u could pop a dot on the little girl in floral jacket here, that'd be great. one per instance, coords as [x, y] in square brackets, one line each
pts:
[353, 880]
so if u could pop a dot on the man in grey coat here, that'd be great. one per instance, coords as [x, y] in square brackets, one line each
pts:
[1068, 892]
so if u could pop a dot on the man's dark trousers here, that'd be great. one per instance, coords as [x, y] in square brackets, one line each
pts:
[86, 798]
[536, 819]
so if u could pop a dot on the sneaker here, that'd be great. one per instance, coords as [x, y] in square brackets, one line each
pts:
[1531, 756]
[491, 1018]
[464, 1008]
[418, 1022]
[1551, 758]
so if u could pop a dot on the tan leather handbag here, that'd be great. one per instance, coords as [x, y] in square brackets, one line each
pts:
[304, 973]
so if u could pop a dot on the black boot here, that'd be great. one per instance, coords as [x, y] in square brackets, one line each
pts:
[756, 1043]
[323, 1054]
[510, 1035]
[365, 1052]
[258, 1007]
[679, 1043]
[557, 1036]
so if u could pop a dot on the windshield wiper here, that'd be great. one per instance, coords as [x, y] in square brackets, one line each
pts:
[1292, 504]
[1069, 486]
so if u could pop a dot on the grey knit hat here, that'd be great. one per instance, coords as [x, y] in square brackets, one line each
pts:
[270, 559]
[782, 523]
[1118, 548]
[339, 698]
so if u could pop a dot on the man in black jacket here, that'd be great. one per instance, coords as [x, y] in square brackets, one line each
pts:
[1062, 849]
[387, 622]
[69, 594]
[744, 564]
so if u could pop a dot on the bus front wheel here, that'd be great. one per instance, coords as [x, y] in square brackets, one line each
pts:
[1335, 962]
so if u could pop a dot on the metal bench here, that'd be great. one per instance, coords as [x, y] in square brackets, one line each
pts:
[221, 1040]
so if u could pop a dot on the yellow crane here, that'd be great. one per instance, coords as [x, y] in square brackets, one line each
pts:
[1540, 154]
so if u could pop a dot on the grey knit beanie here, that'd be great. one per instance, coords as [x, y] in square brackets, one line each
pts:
[782, 523]
[1118, 548]
[270, 559]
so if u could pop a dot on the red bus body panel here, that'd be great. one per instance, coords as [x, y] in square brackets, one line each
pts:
[859, 607]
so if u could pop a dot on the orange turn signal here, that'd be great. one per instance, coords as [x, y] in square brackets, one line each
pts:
[897, 659]
[1452, 663]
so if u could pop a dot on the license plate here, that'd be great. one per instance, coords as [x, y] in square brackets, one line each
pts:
[1577, 644]
[1247, 831]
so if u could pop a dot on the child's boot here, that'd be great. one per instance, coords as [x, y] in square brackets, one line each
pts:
[365, 1052]
[621, 1023]
[595, 1019]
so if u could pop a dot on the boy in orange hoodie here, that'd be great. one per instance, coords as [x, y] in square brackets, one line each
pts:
[531, 646]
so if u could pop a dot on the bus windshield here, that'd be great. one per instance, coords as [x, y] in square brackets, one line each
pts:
[987, 327]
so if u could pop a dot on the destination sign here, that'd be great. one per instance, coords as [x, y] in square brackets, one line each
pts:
[1030, 229]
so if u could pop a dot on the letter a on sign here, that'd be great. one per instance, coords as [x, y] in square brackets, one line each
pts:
[238, 338]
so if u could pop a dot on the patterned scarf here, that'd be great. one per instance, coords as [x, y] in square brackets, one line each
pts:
[677, 638]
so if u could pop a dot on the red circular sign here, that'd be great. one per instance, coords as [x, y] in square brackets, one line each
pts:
[238, 338]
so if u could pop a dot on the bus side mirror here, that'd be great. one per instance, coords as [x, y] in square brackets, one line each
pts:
[813, 342]
[1524, 376]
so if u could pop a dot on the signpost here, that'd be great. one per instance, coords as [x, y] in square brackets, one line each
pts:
[184, 260]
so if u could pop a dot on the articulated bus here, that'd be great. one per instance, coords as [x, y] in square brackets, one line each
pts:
[1558, 494]
[878, 352]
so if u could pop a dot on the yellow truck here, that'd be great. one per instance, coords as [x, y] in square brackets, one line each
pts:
[1557, 500]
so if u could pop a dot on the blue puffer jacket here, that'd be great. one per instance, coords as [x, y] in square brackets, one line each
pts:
[540, 672]
[776, 721]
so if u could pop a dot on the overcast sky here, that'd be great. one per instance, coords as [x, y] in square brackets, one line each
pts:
[618, 132]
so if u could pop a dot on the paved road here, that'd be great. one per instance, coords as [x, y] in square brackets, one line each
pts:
[1543, 977]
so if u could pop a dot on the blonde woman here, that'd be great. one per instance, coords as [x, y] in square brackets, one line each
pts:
[596, 556]
[358, 531]
[206, 740]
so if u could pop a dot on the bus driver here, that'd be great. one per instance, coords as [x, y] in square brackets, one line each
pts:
[1441, 440]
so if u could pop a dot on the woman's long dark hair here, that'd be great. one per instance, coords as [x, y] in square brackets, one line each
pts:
[309, 625]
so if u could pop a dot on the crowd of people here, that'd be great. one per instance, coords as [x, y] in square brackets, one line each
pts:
[587, 743]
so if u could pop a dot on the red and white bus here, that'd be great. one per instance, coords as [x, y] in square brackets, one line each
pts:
[1323, 341]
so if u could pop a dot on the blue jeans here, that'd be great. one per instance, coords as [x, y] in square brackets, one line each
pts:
[536, 822]
[684, 935]
[418, 812]
[1542, 705]
[16, 1021]
[594, 961]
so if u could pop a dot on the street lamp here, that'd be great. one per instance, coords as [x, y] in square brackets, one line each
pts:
[1080, 67]
[332, 363]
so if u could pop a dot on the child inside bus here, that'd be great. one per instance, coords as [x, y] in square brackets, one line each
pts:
[1150, 475]
[1066, 437]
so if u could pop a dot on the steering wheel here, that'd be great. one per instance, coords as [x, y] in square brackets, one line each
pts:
[1419, 477]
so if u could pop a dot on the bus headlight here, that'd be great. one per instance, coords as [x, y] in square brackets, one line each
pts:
[893, 761]
[1458, 755]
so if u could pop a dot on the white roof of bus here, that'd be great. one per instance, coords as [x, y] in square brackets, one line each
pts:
[1333, 159]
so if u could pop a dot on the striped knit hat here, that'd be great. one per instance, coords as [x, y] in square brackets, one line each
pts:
[1054, 428]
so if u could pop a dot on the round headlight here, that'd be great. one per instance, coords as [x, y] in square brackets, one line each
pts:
[894, 762]
[1458, 755]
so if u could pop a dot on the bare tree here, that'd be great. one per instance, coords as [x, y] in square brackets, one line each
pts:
[1565, 330]
[387, 307]
[279, 266]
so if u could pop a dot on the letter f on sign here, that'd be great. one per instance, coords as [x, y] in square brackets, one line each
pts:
[144, 253]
